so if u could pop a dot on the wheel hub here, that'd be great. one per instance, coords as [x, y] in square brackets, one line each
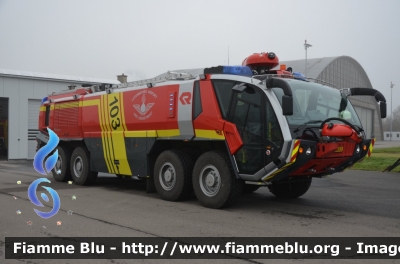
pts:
[78, 167]
[167, 176]
[210, 179]
[59, 163]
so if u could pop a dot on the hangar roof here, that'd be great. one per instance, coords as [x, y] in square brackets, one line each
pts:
[314, 66]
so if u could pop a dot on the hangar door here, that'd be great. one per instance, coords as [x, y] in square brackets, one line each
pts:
[3, 128]
[365, 116]
[33, 125]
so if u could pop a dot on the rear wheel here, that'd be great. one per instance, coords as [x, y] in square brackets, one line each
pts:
[172, 177]
[80, 167]
[61, 171]
[290, 190]
[214, 181]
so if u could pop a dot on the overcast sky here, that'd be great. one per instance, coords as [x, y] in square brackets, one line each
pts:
[142, 39]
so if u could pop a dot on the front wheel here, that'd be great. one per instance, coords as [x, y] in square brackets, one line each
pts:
[290, 190]
[214, 181]
[80, 167]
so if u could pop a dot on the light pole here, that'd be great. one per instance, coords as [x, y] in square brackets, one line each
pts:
[391, 109]
[306, 46]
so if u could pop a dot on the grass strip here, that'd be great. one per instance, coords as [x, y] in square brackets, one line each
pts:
[379, 160]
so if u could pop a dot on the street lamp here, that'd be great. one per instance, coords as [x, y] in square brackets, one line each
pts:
[391, 109]
[306, 46]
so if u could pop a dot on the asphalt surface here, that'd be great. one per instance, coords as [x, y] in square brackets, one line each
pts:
[349, 204]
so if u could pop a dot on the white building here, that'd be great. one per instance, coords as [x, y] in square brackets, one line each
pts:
[395, 135]
[20, 97]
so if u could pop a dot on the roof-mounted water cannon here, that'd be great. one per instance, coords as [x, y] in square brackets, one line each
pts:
[261, 63]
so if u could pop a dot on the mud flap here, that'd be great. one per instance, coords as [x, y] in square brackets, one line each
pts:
[150, 187]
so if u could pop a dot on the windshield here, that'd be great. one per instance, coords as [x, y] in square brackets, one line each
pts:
[312, 102]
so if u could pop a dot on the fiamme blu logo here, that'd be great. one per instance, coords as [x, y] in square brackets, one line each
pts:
[44, 166]
[40, 156]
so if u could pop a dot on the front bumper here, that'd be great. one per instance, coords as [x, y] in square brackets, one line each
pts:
[318, 164]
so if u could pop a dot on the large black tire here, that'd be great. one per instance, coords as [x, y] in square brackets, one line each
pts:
[61, 171]
[249, 188]
[290, 190]
[172, 175]
[80, 167]
[214, 181]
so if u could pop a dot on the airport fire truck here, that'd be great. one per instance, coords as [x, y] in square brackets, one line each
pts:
[220, 132]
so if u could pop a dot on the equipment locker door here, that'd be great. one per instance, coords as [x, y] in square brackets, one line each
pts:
[33, 125]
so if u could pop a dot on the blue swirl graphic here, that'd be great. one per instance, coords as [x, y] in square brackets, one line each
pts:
[44, 151]
[32, 196]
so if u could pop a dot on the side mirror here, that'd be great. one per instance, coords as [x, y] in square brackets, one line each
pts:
[287, 105]
[382, 107]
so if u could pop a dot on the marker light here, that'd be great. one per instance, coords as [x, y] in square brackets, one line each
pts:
[365, 147]
[301, 150]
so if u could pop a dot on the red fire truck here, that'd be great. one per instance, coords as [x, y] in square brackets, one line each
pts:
[219, 132]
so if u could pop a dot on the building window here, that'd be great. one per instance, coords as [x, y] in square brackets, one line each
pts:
[387, 135]
[398, 135]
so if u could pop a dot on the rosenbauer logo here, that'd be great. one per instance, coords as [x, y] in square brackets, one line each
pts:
[142, 107]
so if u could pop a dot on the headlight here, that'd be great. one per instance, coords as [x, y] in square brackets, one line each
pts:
[358, 149]
[308, 151]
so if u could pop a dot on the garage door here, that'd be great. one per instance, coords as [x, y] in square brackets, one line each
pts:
[33, 121]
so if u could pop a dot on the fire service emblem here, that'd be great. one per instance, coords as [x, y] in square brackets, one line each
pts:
[142, 108]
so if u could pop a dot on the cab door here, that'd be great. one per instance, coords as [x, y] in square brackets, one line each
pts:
[248, 108]
[246, 112]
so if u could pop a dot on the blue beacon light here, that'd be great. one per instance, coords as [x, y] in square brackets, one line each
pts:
[237, 70]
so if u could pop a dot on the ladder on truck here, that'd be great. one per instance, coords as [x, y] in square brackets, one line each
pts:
[169, 76]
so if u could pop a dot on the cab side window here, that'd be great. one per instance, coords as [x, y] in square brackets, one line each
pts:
[223, 90]
[247, 117]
